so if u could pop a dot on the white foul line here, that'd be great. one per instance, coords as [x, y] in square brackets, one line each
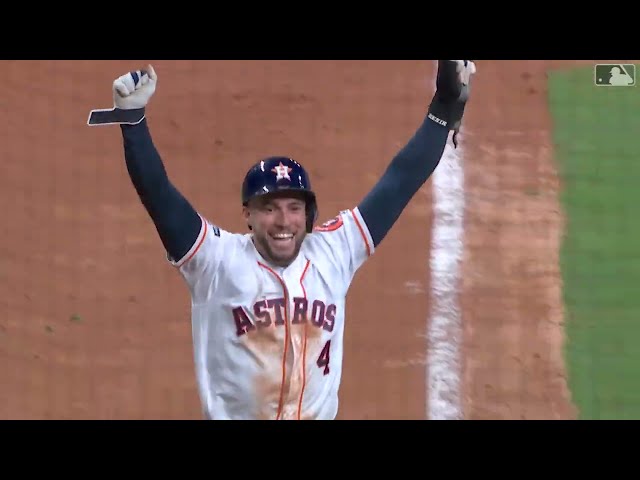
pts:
[445, 325]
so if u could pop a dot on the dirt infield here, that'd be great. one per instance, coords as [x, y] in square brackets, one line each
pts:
[511, 290]
[95, 322]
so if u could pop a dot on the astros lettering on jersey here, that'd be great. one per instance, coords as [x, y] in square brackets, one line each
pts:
[268, 342]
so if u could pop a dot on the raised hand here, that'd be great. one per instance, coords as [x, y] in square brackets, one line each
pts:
[134, 89]
[453, 84]
[131, 94]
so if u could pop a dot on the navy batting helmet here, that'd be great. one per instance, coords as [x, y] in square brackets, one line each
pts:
[277, 174]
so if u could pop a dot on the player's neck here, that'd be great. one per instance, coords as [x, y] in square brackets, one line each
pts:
[265, 258]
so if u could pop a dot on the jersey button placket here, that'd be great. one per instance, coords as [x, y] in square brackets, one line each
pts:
[297, 332]
[287, 411]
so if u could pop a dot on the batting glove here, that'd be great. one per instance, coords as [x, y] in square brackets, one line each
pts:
[134, 89]
[452, 93]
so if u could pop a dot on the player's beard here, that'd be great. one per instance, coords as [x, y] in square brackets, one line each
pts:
[272, 252]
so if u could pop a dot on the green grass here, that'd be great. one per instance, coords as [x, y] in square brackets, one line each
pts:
[597, 147]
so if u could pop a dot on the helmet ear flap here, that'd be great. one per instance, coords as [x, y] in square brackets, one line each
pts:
[245, 204]
[312, 214]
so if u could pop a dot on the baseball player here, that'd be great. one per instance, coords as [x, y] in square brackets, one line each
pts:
[268, 304]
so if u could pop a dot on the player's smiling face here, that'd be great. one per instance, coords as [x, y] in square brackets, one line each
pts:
[278, 224]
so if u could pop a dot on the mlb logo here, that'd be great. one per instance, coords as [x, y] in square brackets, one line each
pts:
[615, 75]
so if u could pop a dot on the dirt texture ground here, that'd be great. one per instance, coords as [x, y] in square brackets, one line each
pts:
[95, 324]
[511, 293]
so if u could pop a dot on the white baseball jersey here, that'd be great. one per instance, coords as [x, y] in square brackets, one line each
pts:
[268, 341]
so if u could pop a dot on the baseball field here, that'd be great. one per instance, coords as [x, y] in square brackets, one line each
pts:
[505, 290]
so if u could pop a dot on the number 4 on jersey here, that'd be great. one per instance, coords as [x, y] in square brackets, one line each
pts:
[323, 359]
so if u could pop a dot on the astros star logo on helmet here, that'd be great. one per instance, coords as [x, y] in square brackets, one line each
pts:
[281, 171]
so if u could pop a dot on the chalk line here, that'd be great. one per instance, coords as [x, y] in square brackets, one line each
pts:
[444, 330]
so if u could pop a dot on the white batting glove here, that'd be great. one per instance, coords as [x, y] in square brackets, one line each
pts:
[134, 89]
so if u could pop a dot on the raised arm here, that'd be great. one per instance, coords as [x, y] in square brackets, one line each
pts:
[415, 162]
[176, 221]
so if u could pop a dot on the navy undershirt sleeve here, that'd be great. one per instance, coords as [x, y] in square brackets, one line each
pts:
[407, 172]
[177, 222]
